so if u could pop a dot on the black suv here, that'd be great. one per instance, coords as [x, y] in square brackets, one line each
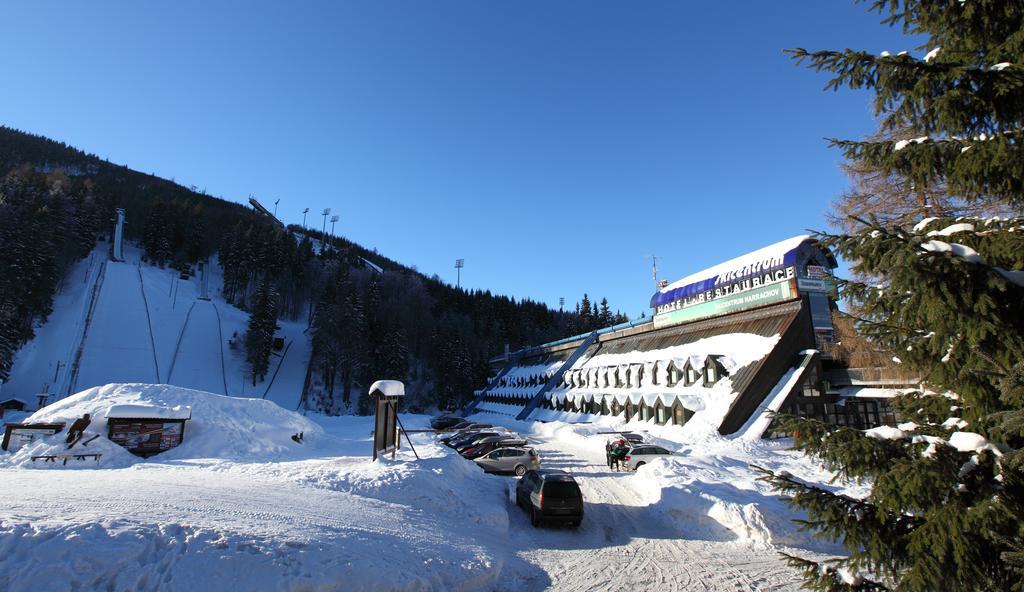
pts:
[550, 496]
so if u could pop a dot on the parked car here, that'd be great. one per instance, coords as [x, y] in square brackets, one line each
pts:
[485, 446]
[631, 437]
[465, 425]
[471, 442]
[516, 460]
[641, 454]
[444, 422]
[453, 436]
[468, 437]
[550, 496]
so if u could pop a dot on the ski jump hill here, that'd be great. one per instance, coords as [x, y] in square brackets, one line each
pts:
[129, 322]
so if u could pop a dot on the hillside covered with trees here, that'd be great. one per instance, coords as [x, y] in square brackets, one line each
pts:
[368, 316]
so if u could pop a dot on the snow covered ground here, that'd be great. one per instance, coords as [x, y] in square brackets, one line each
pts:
[698, 520]
[240, 505]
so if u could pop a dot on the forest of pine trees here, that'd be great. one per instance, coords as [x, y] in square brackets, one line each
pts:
[930, 284]
[48, 221]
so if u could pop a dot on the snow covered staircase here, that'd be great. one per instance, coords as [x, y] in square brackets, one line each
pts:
[556, 378]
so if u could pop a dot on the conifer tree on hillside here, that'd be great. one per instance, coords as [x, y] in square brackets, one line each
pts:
[259, 339]
[946, 507]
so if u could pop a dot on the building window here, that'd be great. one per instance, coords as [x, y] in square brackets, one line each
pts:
[712, 370]
[811, 383]
[640, 375]
[654, 373]
[691, 374]
[680, 414]
[674, 375]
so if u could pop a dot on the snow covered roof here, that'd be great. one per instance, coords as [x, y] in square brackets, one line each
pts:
[773, 256]
[130, 411]
[388, 388]
[9, 399]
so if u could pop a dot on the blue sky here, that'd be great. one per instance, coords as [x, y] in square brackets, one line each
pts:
[554, 146]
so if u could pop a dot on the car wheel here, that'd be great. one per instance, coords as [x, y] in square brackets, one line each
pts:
[638, 465]
[520, 470]
[534, 517]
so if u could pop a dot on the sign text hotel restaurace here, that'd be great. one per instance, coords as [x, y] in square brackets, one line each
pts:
[757, 290]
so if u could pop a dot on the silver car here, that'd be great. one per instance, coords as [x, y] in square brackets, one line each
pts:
[509, 460]
[641, 454]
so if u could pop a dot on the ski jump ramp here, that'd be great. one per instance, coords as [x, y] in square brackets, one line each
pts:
[119, 345]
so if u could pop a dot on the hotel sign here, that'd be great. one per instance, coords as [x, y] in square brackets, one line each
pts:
[737, 300]
[727, 289]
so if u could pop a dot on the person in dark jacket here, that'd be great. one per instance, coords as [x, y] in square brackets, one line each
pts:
[76, 429]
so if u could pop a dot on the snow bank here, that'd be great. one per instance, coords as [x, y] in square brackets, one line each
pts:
[221, 428]
[322, 517]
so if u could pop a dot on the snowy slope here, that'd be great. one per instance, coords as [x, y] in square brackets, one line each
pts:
[118, 346]
[141, 323]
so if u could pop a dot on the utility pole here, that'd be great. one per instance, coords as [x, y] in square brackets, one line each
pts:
[459, 264]
[334, 219]
[323, 233]
[304, 212]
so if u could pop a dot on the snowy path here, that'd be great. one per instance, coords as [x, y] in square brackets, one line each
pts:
[624, 546]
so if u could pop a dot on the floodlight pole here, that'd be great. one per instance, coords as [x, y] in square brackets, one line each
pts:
[323, 233]
[459, 264]
[275, 206]
[304, 212]
[334, 219]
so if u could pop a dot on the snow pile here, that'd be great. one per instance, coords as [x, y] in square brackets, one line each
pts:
[221, 427]
[321, 517]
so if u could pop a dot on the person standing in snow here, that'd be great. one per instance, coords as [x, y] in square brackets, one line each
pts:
[618, 453]
[76, 429]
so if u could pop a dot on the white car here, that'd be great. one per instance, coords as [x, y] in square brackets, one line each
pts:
[641, 454]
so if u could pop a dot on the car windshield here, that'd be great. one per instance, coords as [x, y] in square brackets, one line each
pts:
[561, 489]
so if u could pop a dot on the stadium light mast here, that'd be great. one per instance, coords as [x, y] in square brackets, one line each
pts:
[304, 212]
[654, 270]
[459, 264]
[277, 201]
[323, 233]
[561, 303]
[334, 219]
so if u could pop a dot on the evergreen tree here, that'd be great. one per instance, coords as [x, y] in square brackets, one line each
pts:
[605, 315]
[259, 339]
[586, 319]
[946, 507]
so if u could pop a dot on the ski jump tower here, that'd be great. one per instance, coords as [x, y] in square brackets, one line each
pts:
[117, 253]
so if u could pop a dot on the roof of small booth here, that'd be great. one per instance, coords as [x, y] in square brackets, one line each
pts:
[388, 388]
[127, 411]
